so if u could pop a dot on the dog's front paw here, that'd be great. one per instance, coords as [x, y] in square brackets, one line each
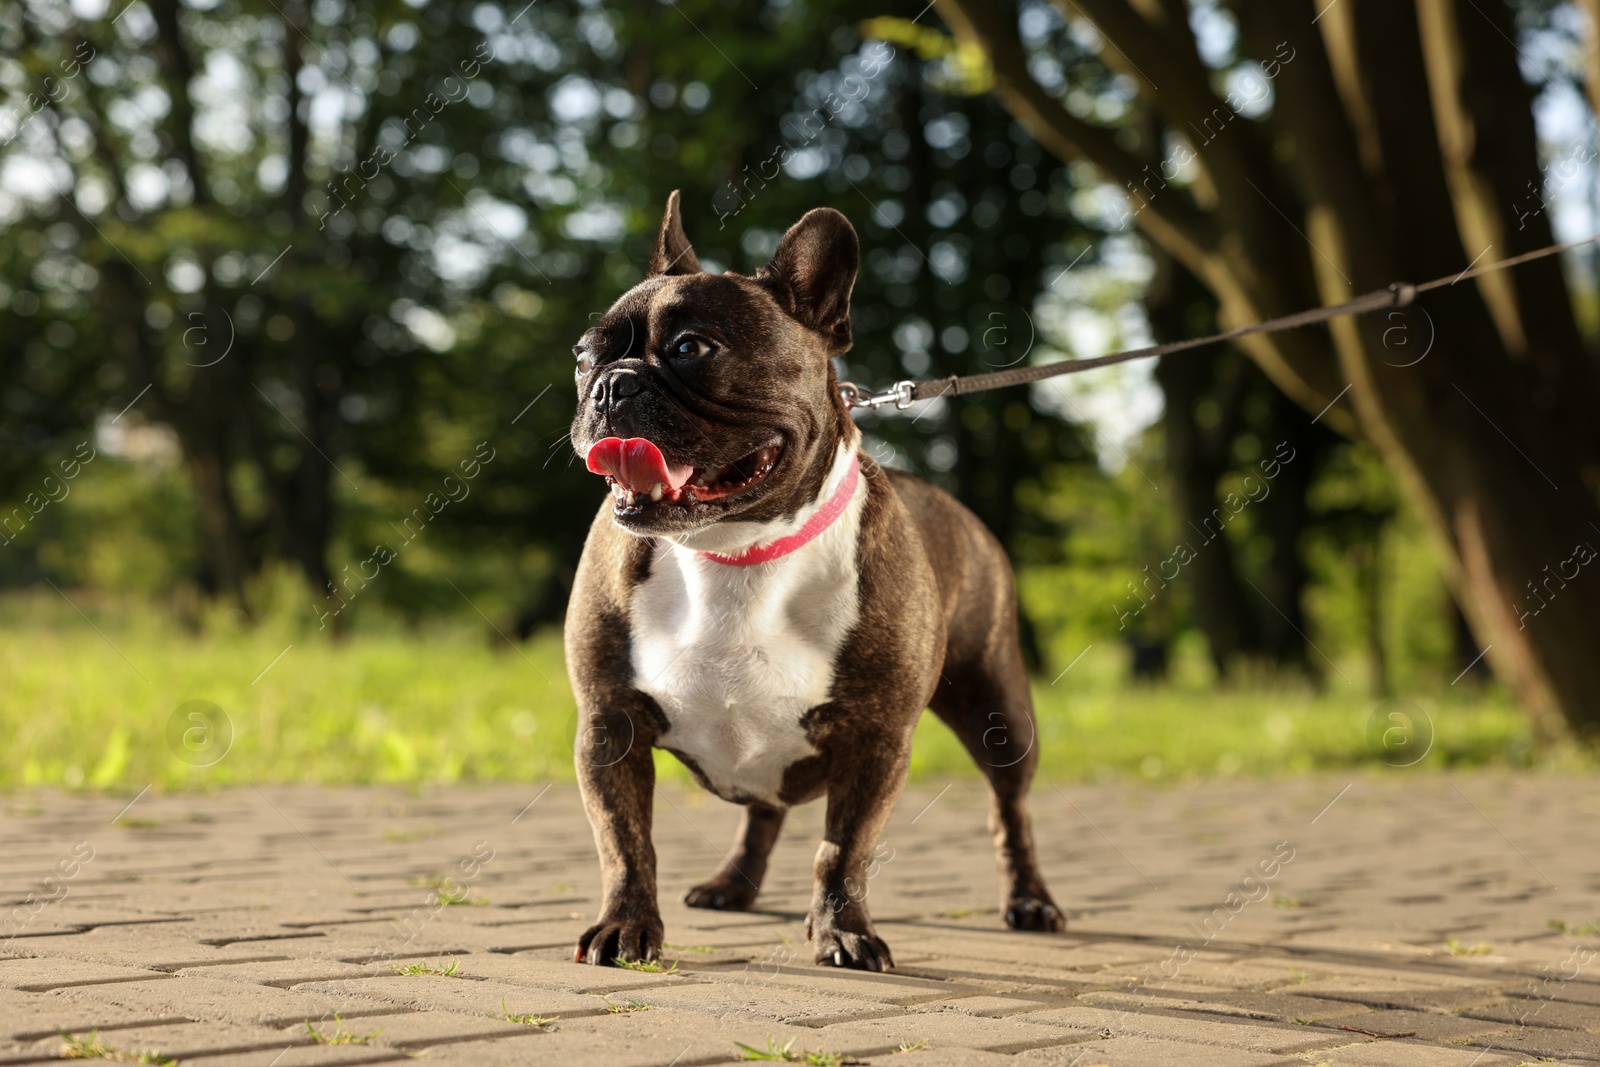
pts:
[720, 894]
[614, 937]
[1027, 912]
[837, 947]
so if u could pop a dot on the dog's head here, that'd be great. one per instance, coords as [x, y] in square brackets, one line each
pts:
[706, 398]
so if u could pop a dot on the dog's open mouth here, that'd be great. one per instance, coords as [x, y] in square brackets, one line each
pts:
[640, 476]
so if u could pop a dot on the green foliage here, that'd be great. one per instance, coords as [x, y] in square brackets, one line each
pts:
[966, 70]
[126, 527]
[427, 302]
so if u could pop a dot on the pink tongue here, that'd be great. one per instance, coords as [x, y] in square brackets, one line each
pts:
[635, 464]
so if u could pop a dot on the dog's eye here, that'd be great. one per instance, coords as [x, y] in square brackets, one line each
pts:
[585, 361]
[691, 348]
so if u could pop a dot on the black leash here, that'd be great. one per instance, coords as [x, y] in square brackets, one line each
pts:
[905, 393]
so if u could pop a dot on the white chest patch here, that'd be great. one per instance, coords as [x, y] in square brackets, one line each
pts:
[736, 655]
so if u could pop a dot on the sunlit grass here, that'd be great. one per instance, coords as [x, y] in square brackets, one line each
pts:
[94, 1048]
[449, 970]
[1098, 729]
[83, 707]
[87, 708]
[339, 1035]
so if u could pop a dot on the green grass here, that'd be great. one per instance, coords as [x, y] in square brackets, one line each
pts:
[787, 1053]
[540, 1021]
[648, 966]
[624, 1005]
[1456, 948]
[449, 970]
[93, 1048]
[402, 708]
[339, 1035]
[87, 707]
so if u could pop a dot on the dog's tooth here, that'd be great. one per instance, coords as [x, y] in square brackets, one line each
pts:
[657, 491]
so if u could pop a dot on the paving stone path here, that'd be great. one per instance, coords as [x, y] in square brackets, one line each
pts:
[1403, 919]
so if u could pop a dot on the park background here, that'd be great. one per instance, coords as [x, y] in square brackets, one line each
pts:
[288, 292]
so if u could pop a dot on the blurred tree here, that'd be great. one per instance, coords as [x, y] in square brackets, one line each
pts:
[1391, 141]
[343, 247]
[336, 245]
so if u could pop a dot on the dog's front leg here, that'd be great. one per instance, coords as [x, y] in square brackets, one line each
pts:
[617, 778]
[860, 801]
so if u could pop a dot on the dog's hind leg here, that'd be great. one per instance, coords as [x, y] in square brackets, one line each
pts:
[991, 711]
[734, 886]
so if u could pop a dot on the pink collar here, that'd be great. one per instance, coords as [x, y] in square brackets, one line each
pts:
[820, 520]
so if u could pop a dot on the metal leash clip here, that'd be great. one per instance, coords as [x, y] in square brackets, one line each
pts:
[900, 394]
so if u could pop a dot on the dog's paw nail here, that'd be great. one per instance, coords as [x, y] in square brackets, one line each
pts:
[717, 898]
[1036, 915]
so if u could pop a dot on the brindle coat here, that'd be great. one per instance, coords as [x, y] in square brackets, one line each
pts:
[937, 622]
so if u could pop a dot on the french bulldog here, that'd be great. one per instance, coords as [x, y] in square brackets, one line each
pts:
[761, 600]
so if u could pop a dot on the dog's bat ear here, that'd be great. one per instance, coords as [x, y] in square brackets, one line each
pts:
[673, 254]
[813, 271]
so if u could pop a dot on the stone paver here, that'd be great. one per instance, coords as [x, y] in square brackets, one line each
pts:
[1406, 920]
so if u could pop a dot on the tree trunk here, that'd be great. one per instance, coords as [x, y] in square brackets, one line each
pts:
[1406, 137]
[195, 410]
[1197, 458]
[202, 410]
[224, 563]
[1284, 515]
[302, 497]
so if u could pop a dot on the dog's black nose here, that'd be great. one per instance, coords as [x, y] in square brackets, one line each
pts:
[609, 390]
